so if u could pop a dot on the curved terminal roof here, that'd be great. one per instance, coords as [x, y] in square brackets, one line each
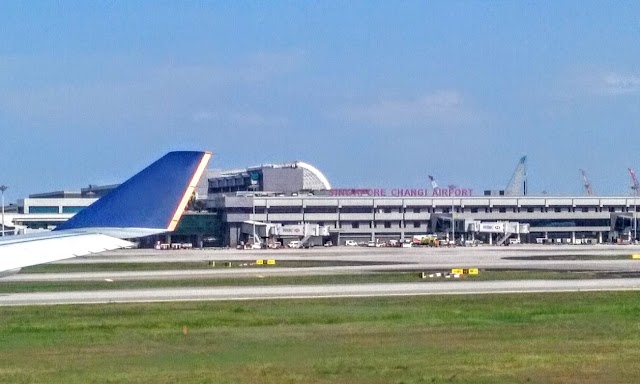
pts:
[313, 179]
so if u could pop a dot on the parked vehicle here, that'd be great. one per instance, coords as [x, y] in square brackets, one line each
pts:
[294, 244]
[351, 243]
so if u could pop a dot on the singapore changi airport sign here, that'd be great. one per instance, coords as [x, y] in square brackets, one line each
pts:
[402, 192]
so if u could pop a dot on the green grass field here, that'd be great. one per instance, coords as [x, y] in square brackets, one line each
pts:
[528, 338]
[392, 277]
[181, 265]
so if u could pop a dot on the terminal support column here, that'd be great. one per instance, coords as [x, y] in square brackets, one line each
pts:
[373, 230]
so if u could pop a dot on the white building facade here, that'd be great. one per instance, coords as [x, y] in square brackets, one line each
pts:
[572, 219]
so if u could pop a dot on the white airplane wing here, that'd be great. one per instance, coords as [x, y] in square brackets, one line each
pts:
[151, 202]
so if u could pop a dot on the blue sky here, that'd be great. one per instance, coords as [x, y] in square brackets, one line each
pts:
[375, 94]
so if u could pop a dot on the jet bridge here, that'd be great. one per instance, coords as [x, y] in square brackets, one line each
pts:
[504, 228]
[303, 232]
[262, 231]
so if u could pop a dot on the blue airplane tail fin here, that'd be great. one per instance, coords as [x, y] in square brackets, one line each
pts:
[153, 199]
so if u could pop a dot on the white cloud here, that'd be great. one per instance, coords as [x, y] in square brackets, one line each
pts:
[441, 106]
[148, 95]
[617, 84]
[599, 83]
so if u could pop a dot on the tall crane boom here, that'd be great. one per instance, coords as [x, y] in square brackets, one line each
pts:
[634, 181]
[587, 184]
[434, 185]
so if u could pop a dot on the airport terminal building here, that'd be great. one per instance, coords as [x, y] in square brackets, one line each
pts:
[363, 218]
[311, 208]
[295, 201]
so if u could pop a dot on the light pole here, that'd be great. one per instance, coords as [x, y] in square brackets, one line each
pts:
[2, 189]
[453, 218]
[453, 223]
[253, 216]
[253, 187]
[635, 211]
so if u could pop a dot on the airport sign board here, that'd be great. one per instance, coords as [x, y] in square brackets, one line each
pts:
[291, 230]
[402, 192]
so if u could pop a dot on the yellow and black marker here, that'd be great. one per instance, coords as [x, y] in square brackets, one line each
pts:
[465, 271]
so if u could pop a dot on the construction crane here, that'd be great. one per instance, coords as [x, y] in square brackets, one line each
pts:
[635, 186]
[586, 182]
[434, 185]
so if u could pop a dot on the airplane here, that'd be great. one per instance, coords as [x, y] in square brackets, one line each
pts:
[151, 202]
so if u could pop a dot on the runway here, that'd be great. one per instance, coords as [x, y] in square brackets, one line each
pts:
[599, 265]
[377, 260]
[610, 258]
[400, 255]
[317, 291]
